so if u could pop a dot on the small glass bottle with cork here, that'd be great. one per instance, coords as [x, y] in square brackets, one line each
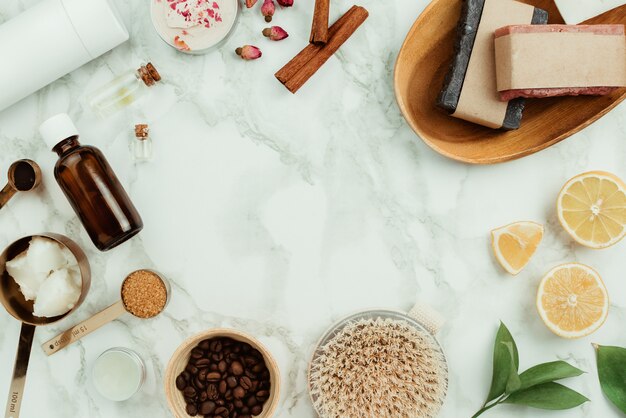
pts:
[142, 144]
[123, 90]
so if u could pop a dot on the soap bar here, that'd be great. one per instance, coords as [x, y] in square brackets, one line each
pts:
[577, 11]
[560, 60]
[469, 90]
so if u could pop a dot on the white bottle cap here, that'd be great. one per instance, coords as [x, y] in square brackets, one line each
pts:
[56, 129]
[97, 23]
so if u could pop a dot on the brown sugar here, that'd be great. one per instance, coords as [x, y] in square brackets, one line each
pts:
[144, 294]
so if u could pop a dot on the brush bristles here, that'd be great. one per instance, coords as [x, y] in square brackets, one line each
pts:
[379, 368]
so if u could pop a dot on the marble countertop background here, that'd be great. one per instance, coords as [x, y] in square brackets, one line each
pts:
[278, 214]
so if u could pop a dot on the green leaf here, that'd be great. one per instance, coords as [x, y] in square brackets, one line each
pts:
[547, 396]
[612, 374]
[548, 372]
[502, 362]
[513, 383]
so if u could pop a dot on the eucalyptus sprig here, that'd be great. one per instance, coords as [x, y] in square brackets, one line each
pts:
[612, 373]
[536, 387]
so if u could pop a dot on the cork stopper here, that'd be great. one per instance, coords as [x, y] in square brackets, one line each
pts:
[142, 131]
[149, 74]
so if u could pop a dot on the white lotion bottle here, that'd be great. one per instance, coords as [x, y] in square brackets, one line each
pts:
[50, 40]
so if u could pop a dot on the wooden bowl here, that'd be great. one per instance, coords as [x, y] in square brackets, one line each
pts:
[422, 64]
[179, 360]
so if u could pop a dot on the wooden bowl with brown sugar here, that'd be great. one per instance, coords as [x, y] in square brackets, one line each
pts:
[423, 63]
[181, 357]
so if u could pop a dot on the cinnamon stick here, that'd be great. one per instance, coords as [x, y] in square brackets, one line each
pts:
[319, 29]
[311, 58]
[310, 50]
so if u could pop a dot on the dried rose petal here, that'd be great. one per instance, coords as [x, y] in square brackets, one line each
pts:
[275, 33]
[180, 44]
[268, 9]
[250, 3]
[285, 3]
[249, 52]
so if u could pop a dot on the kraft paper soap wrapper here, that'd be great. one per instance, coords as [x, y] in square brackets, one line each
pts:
[560, 60]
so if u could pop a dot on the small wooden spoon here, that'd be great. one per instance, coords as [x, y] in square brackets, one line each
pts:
[422, 64]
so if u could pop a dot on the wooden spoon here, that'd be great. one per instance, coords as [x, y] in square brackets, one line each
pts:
[422, 64]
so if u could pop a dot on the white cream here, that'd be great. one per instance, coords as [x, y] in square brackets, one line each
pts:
[194, 25]
[48, 274]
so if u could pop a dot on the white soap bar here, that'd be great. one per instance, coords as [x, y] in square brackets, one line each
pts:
[577, 11]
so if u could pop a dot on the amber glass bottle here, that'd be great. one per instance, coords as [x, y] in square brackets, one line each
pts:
[91, 186]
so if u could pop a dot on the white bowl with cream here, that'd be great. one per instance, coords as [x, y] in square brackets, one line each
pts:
[194, 26]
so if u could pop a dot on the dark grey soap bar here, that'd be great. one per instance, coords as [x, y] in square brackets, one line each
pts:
[467, 27]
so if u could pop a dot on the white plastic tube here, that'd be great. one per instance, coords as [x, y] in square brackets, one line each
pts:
[52, 39]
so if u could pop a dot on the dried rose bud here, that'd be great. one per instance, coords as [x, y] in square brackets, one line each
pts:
[250, 3]
[249, 52]
[285, 3]
[268, 9]
[275, 33]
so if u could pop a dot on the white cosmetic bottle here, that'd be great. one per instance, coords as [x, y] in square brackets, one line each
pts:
[52, 39]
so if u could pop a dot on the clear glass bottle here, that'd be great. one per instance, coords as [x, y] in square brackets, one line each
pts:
[142, 145]
[123, 91]
[91, 186]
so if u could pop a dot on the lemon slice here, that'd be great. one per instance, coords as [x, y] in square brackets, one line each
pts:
[572, 300]
[515, 244]
[592, 209]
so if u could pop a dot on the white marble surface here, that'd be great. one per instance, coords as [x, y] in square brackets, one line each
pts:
[278, 214]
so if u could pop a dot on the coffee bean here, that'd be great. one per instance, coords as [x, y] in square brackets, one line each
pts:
[181, 382]
[221, 411]
[236, 368]
[262, 394]
[217, 356]
[197, 353]
[207, 407]
[204, 344]
[238, 403]
[213, 367]
[222, 366]
[258, 368]
[198, 384]
[203, 396]
[239, 392]
[192, 410]
[189, 392]
[251, 401]
[245, 383]
[212, 392]
[203, 363]
[213, 377]
[216, 346]
[223, 387]
[256, 410]
[231, 381]
[191, 369]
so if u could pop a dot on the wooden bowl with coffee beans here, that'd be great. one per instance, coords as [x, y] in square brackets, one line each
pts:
[222, 373]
